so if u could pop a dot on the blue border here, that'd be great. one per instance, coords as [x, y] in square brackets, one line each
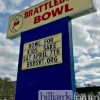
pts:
[53, 77]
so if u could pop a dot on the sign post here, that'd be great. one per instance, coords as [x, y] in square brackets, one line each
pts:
[46, 66]
[46, 60]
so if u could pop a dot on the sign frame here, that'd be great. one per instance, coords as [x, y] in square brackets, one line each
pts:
[53, 55]
[91, 8]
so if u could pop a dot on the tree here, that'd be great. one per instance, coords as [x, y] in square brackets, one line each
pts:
[7, 88]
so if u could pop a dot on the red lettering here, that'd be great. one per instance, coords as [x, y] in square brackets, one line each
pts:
[36, 11]
[61, 1]
[26, 15]
[37, 19]
[67, 8]
[30, 13]
[46, 6]
[53, 13]
[57, 10]
[50, 5]
[56, 2]
[41, 8]
[46, 15]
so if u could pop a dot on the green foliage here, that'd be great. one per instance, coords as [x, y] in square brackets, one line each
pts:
[7, 89]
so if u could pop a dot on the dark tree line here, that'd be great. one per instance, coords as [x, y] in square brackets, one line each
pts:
[7, 89]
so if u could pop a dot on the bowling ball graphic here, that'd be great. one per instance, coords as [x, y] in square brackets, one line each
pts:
[16, 23]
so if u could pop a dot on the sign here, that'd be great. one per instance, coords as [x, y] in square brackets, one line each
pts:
[46, 62]
[43, 52]
[46, 12]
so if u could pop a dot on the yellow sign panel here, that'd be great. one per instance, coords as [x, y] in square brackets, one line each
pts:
[43, 52]
[46, 12]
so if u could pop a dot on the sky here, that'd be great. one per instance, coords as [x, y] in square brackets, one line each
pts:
[86, 43]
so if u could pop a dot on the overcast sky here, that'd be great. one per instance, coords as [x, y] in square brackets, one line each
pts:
[86, 41]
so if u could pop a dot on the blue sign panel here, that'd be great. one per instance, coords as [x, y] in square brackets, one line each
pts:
[58, 75]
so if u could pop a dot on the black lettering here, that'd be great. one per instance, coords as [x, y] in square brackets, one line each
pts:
[50, 40]
[55, 52]
[36, 62]
[39, 62]
[48, 60]
[55, 59]
[51, 59]
[50, 46]
[34, 45]
[31, 64]
[27, 64]
[58, 51]
[31, 51]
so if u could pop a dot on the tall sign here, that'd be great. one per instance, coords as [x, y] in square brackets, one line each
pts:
[46, 12]
[46, 66]
[46, 62]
